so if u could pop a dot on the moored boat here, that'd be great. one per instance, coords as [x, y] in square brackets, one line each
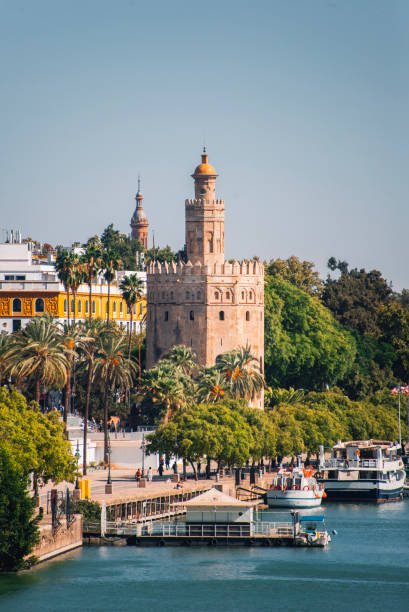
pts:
[362, 470]
[295, 489]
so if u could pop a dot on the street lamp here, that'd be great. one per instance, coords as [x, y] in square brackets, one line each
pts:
[77, 456]
[143, 448]
[109, 451]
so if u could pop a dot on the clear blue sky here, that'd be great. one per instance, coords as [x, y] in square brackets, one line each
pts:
[303, 105]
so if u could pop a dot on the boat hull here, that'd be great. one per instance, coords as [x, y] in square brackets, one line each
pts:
[290, 499]
[357, 491]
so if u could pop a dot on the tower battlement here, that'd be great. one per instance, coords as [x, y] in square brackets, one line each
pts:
[235, 268]
[201, 202]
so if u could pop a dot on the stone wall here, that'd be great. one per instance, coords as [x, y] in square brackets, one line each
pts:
[55, 542]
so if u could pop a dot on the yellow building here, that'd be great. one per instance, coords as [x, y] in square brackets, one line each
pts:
[29, 289]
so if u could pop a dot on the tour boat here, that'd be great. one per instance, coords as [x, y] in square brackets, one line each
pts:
[363, 470]
[311, 531]
[295, 488]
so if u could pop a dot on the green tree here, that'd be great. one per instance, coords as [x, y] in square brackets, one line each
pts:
[18, 528]
[355, 297]
[37, 356]
[183, 358]
[132, 289]
[35, 440]
[298, 273]
[304, 346]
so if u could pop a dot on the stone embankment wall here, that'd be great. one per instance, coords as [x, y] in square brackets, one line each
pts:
[55, 542]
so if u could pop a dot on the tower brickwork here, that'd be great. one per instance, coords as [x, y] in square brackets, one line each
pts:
[207, 304]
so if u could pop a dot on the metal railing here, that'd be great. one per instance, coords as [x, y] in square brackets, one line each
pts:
[344, 464]
[182, 529]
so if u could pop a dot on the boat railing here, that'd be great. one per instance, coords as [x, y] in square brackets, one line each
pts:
[183, 529]
[351, 464]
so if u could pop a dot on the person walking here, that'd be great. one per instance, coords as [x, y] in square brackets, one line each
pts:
[160, 469]
[138, 476]
[150, 474]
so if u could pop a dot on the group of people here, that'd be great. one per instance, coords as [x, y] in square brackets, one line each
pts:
[164, 463]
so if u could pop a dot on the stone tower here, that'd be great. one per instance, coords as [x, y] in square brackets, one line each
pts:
[139, 221]
[207, 304]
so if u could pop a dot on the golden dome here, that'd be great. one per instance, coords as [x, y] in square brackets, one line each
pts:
[204, 167]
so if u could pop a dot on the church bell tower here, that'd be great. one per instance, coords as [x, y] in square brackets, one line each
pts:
[139, 221]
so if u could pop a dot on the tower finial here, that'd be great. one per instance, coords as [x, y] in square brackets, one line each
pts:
[139, 183]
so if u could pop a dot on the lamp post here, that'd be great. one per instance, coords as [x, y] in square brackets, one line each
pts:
[109, 451]
[77, 456]
[143, 448]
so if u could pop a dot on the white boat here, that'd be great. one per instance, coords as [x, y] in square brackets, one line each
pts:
[363, 470]
[295, 489]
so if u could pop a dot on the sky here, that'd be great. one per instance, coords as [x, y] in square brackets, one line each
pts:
[303, 106]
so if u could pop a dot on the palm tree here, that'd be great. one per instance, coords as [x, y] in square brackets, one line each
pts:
[183, 357]
[72, 337]
[285, 396]
[242, 373]
[164, 387]
[37, 355]
[71, 274]
[91, 331]
[111, 263]
[92, 264]
[5, 345]
[63, 266]
[112, 370]
[211, 386]
[132, 289]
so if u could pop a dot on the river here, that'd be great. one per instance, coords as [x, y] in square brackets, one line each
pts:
[365, 568]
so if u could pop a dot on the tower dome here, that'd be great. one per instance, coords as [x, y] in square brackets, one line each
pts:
[204, 168]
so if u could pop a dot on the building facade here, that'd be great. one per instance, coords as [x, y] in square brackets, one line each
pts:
[207, 304]
[30, 288]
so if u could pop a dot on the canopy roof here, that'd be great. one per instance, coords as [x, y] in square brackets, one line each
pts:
[213, 498]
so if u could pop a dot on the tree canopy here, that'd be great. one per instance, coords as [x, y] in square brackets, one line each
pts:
[304, 346]
[35, 440]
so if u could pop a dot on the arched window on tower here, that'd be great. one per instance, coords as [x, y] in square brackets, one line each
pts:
[250, 295]
[166, 315]
[16, 305]
[227, 295]
[216, 295]
[221, 315]
[39, 305]
[191, 315]
[243, 295]
[247, 316]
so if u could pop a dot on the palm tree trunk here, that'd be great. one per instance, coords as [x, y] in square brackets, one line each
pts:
[106, 421]
[86, 415]
[68, 306]
[74, 293]
[67, 392]
[109, 295]
[90, 299]
[130, 336]
[37, 391]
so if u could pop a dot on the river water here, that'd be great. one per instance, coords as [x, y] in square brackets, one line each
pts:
[365, 568]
